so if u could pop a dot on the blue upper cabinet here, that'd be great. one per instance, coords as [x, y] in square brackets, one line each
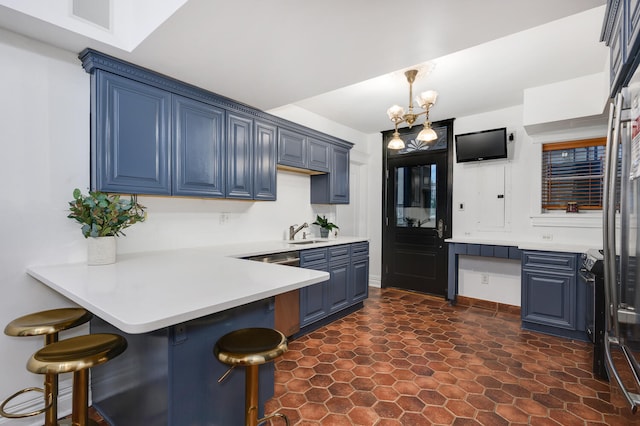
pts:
[151, 134]
[131, 136]
[265, 150]
[292, 149]
[318, 155]
[333, 187]
[239, 156]
[621, 33]
[198, 148]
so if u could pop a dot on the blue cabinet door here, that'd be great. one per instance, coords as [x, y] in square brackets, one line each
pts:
[339, 286]
[313, 299]
[239, 156]
[319, 153]
[333, 188]
[549, 299]
[359, 290]
[292, 148]
[264, 161]
[131, 143]
[198, 148]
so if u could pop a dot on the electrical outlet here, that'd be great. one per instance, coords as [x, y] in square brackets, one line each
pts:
[223, 218]
[484, 279]
[547, 237]
[461, 206]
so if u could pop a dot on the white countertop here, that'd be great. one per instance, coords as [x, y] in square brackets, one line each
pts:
[528, 245]
[147, 291]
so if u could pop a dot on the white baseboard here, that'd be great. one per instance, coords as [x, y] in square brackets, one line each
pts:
[375, 281]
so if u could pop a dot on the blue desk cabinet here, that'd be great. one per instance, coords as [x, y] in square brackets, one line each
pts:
[198, 148]
[265, 151]
[239, 144]
[130, 136]
[348, 284]
[333, 187]
[552, 302]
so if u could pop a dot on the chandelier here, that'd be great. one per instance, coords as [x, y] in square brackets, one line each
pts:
[396, 114]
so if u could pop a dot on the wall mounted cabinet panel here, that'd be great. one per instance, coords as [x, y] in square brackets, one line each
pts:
[333, 187]
[319, 155]
[292, 148]
[239, 156]
[264, 159]
[146, 128]
[198, 148]
[131, 139]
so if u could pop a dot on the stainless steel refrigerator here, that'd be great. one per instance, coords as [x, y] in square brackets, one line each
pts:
[621, 251]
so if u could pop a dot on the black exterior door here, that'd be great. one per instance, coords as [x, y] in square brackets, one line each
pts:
[417, 213]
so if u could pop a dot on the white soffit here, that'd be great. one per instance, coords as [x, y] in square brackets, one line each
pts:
[122, 24]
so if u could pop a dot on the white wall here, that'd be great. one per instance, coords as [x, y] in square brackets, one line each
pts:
[474, 186]
[45, 138]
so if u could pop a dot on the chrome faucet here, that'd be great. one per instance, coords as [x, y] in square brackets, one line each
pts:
[293, 230]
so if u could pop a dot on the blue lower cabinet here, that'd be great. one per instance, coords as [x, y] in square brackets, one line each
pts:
[360, 279]
[339, 286]
[551, 301]
[348, 284]
[170, 376]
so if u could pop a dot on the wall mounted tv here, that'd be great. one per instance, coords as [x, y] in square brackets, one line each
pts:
[484, 145]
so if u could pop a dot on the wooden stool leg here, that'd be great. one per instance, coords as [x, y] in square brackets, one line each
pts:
[51, 389]
[80, 402]
[251, 395]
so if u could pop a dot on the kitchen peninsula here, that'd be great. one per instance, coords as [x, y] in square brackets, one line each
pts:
[172, 306]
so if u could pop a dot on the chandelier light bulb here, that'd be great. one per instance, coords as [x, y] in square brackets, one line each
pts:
[427, 134]
[427, 99]
[395, 113]
[395, 142]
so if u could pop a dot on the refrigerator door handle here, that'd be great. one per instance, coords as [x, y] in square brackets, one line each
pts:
[609, 216]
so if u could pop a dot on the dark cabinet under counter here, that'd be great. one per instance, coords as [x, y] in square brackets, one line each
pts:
[347, 287]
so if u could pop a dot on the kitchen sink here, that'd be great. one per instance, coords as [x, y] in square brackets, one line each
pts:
[303, 242]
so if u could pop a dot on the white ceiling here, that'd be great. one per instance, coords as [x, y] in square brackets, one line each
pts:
[344, 59]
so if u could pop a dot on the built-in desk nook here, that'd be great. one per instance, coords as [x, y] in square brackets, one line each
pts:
[553, 297]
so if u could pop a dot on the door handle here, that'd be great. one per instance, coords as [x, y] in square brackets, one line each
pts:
[440, 228]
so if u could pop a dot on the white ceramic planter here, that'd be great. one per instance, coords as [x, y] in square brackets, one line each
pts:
[101, 250]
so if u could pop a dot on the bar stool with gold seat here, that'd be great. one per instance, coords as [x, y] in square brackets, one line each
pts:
[251, 347]
[48, 324]
[76, 355]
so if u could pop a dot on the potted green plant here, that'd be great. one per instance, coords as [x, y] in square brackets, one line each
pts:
[325, 225]
[103, 217]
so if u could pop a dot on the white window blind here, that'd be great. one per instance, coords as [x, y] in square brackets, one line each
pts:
[573, 172]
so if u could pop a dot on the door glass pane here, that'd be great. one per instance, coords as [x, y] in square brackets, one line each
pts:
[416, 196]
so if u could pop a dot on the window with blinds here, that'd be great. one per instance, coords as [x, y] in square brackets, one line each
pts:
[573, 172]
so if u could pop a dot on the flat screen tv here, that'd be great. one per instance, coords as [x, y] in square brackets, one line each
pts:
[484, 145]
